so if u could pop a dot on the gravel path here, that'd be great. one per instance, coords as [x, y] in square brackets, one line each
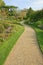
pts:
[26, 50]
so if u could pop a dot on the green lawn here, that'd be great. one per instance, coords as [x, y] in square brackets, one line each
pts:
[39, 33]
[9, 43]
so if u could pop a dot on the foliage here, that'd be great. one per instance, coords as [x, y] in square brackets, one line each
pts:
[29, 13]
[35, 20]
[6, 25]
[9, 30]
[34, 16]
[2, 3]
[1, 28]
[38, 15]
[9, 43]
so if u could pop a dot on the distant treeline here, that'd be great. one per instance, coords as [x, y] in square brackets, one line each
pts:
[34, 16]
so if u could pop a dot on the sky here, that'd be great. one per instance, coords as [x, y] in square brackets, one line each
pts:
[35, 4]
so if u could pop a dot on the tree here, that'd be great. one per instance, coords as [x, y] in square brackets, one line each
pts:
[29, 12]
[2, 3]
[22, 14]
[38, 15]
[12, 10]
[8, 10]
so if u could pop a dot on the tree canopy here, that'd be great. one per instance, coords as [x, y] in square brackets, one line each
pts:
[2, 3]
[29, 12]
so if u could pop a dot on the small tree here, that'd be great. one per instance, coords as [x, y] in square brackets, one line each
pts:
[29, 12]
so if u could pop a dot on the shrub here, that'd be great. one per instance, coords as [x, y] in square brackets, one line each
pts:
[36, 16]
[6, 25]
[1, 28]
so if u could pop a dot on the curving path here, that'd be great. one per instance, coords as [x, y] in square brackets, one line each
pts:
[26, 50]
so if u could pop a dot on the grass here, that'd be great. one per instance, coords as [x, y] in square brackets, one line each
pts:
[39, 34]
[9, 43]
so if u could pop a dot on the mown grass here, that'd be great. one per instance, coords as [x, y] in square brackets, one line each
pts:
[9, 43]
[39, 34]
